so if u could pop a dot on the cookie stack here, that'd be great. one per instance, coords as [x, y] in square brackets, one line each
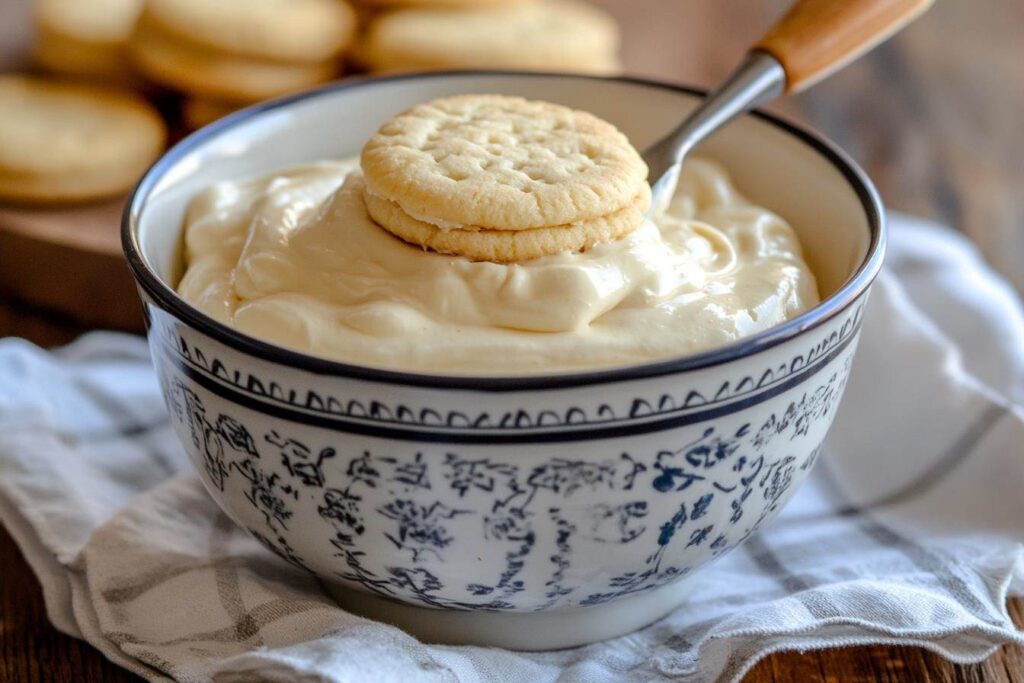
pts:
[221, 55]
[61, 142]
[87, 39]
[226, 54]
[229, 53]
[503, 179]
[556, 35]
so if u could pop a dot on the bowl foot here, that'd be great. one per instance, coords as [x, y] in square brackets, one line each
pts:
[552, 630]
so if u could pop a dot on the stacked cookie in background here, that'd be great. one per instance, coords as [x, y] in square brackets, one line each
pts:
[97, 141]
[503, 179]
[551, 35]
[202, 59]
[79, 132]
[231, 53]
[85, 38]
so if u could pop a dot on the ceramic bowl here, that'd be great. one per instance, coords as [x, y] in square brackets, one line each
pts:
[529, 512]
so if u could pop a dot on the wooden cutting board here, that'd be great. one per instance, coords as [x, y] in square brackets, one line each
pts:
[69, 260]
[65, 259]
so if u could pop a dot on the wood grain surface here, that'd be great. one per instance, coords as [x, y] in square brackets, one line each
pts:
[82, 244]
[935, 118]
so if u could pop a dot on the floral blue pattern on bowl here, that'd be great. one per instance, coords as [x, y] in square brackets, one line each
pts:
[527, 511]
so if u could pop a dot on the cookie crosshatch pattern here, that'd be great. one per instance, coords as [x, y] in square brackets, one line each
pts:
[504, 179]
[502, 163]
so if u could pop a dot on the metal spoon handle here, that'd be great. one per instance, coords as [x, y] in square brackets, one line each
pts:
[815, 38]
[758, 79]
[811, 41]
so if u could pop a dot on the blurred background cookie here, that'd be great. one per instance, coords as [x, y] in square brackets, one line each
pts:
[62, 142]
[242, 50]
[194, 61]
[557, 35]
[85, 38]
[199, 70]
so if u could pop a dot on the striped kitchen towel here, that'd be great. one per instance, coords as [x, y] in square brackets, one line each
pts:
[910, 531]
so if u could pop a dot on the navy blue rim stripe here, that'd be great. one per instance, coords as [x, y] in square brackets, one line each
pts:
[165, 297]
[168, 348]
[436, 434]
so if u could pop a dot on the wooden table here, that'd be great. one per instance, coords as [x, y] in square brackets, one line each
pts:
[935, 118]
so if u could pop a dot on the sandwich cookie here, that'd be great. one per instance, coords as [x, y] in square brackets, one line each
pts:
[503, 179]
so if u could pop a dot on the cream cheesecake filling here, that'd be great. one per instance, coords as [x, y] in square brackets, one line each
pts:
[292, 258]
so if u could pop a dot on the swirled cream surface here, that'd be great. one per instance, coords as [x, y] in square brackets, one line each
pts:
[292, 258]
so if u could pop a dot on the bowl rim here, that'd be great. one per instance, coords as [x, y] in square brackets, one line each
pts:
[165, 296]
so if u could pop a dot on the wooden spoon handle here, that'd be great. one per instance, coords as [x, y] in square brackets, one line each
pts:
[817, 37]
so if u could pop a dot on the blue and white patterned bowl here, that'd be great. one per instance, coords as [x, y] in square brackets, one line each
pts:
[531, 512]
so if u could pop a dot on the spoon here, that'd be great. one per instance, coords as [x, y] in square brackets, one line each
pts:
[813, 40]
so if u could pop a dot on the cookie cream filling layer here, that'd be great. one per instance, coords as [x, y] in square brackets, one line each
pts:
[438, 223]
[442, 224]
[293, 258]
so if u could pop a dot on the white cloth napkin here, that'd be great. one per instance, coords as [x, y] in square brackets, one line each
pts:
[910, 531]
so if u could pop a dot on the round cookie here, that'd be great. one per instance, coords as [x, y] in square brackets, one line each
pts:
[63, 142]
[508, 246]
[559, 35]
[66, 56]
[85, 37]
[502, 163]
[216, 74]
[283, 30]
[108, 22]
